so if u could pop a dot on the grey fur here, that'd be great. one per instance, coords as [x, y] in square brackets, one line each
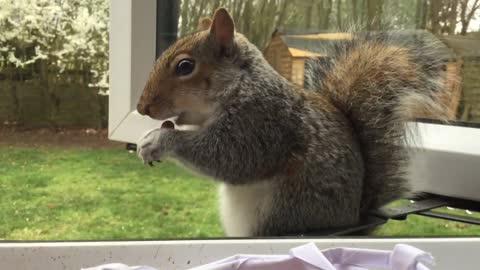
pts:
[346, 150]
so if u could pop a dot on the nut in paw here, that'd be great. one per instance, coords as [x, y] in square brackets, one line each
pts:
[149, 147]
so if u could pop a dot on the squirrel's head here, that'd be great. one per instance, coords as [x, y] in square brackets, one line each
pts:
[191, 74]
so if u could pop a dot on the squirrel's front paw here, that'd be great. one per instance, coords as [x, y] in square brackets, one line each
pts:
[149, 147]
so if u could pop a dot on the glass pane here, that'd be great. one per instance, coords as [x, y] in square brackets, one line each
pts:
[62, 179]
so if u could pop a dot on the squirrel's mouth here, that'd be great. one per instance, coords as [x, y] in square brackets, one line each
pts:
[161, 113]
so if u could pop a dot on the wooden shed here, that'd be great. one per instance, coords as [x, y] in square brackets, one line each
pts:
[288, 52]
[468, 49]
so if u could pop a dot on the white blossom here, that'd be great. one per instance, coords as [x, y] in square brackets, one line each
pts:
[67, 34]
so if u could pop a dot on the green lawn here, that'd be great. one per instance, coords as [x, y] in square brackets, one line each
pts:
[107, 193]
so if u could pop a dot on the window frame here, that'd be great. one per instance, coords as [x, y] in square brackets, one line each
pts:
[132, 56]
[449, 253]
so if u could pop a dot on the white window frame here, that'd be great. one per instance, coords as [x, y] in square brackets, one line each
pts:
[132, 56]
[449, 253]
[447, 164]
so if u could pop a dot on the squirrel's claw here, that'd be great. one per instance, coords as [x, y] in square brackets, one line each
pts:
[149, 148]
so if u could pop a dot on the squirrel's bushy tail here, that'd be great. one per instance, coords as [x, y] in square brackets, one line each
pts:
[380, 81]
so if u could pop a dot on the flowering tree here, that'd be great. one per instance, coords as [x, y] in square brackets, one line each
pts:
[68, 34]
[53, 39]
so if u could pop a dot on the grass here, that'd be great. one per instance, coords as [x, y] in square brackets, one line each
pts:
[49, 193]
[52, 193]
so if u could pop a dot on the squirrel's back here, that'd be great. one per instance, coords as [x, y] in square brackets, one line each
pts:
[380, 81]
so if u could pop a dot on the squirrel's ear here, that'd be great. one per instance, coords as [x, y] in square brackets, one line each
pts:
[204, 23]
[222, 28]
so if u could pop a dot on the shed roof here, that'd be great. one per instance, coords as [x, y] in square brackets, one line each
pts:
[466, 46]
[320, 43]
[302, 53]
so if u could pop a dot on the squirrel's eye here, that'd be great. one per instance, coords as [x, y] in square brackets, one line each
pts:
[185, 67]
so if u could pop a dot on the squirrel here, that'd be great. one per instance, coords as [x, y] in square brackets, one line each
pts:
[291, 160]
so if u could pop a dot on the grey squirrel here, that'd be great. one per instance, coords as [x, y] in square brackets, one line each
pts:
[291, 160]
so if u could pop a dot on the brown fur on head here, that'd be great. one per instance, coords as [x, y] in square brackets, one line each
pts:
[172, 90]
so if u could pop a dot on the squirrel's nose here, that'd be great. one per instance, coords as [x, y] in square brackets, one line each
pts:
[143, 109]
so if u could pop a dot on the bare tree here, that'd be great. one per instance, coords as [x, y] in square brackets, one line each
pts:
[467, 12]
[184, 7]
[339, 13]
[447, 16]
[355, 11]
[421, 13]
[374, 14]
[452, 11]
[308, 14]
[282, 11]
[247, 13]
[323, 13]
[434, 22]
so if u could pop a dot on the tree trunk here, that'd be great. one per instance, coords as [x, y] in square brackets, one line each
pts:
[17, 117]
[339, 14]
[452, 16]
[435, 7]
[363, 13]
[424, 15]
[374, 13]
[199, 12]
[328, 13]
[237, 10]
[419, 13]
[184, 17]
[355, 11]
[324, 14]
[308, 14]
[282, 12]
[269, 25]
[247, 18]
[463, 16]
[256, 36]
